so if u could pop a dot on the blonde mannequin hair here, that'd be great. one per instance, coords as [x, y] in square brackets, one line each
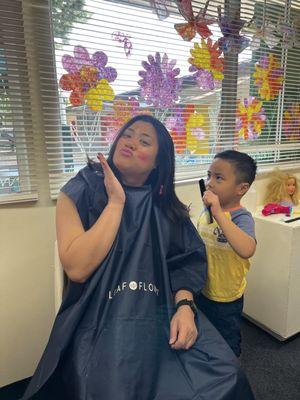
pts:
[277, 188]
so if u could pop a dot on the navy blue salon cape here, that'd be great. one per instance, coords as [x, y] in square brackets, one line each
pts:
[110, 337]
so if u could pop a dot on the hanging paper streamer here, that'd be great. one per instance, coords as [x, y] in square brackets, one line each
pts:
[123, 111]
[195, 24]
[268, 76]
[232, 41]
[159, 7]
[73, 127]
[159, 84]
[286, 29]
[88, 78]
[123, 38]
[291, 122]
[250, 118]
[264, 33]
[207, 64]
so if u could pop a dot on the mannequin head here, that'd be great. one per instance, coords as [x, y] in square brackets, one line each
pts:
[282, 187]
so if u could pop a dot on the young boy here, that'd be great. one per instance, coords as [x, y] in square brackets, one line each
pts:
[229, 241]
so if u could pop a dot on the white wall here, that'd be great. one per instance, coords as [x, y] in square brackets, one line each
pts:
[27, 279]
[26, 288]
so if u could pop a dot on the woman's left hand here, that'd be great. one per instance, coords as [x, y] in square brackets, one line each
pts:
[183, 331]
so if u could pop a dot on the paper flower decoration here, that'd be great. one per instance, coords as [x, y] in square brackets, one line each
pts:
[268, 77]
[231, 41]
[123, 111]
[176, 126]
[124, 38]
[195, 24]
[291, 122]
[250, 118]
[96, 96]
[159, 83]
[207, 64]
[189, 129]
[264, 33]
[87, 78]
[159, 7]
[197, 129]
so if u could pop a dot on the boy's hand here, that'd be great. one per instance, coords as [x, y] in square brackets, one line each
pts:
[212, 200]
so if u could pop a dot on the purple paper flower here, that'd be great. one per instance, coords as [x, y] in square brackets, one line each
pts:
[175, 123]
[159, 83]
[204, 78]
[82, 58]
[232, 41]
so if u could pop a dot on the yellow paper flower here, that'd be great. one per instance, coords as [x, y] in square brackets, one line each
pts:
[197, 128]
[207, 57]
[291, 122]
[250, 118]
[268, 77]
[102, 92]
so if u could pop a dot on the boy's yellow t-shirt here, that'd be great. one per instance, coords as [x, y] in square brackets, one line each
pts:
[227, 271]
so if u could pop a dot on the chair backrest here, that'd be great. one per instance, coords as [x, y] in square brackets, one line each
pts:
[59, 280]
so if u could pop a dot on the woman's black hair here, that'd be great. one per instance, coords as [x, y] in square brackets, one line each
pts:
[162, 177]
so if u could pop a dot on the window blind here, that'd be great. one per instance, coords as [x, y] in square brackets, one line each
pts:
[236, 87]
[273, 79]
[17, 167]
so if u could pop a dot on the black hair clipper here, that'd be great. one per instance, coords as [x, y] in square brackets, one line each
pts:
[202, 190]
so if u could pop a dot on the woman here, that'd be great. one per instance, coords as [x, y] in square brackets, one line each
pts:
[132, 254]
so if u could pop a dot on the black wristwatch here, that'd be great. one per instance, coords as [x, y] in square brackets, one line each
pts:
[186, 302]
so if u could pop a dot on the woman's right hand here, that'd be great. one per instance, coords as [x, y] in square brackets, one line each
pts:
[114, 189]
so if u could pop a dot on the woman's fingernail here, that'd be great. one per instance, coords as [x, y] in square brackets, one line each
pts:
[100, 157]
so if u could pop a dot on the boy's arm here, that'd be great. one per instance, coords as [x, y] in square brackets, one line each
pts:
[242, 243]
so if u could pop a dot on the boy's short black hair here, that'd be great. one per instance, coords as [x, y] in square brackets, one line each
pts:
[245, 166]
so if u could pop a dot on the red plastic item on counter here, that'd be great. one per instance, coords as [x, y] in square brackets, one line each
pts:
[274, 208]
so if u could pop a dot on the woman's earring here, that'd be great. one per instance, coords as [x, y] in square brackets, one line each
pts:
[161, 190]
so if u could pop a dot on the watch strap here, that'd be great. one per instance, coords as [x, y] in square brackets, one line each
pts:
[186, 302]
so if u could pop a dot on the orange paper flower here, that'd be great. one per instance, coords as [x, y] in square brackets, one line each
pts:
[207, 64]
[208, 57]
[74, 83]
[123, 111]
